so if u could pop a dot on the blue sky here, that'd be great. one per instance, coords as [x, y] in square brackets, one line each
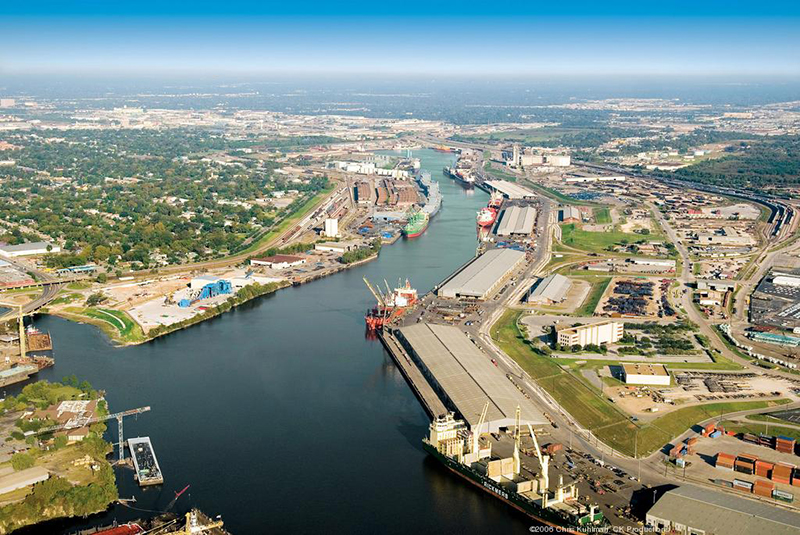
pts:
[465, 38]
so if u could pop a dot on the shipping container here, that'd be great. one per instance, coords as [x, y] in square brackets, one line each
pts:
[763, 488]
[783, 496]
[680, 462]
[739, 484]
[691, 441]
[715, 434]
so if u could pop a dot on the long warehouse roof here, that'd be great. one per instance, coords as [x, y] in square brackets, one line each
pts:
[517, 220]
[468, 377]
[510, 190]
[715, 512]
[553, 287]
[480, 275]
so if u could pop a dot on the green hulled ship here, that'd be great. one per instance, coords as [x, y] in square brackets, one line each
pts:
[416, 225]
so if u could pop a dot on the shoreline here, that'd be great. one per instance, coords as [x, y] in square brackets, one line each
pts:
[231, 303]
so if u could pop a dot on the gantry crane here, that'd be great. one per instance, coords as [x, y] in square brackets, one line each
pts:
[89, 421]
[21, 323]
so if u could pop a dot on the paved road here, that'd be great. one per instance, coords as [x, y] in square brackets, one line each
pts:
[49, 291]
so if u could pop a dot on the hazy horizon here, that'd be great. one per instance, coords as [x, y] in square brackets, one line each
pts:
[732, 39]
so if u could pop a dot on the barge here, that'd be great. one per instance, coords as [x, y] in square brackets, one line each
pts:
[148, 472]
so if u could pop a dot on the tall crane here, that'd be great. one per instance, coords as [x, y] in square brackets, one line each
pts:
[517, 463]
[21, 324]
[376, 293]
[544, 460]
[476, 435]
[83, 422]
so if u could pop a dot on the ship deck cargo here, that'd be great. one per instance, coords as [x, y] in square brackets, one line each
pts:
[148, 472]
[464, 376]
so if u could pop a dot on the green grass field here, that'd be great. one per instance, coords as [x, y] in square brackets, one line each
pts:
[118, 325]
[599, 286]
[498, 172]
[595, 412]
[758, 428]
[557, 195]
[596, 242]
[602, 216]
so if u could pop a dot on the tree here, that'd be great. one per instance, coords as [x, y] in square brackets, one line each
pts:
[22, 461]
[101, 278]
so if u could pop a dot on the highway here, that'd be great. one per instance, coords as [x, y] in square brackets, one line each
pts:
[51, 287]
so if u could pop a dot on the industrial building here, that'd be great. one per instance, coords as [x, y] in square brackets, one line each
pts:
[570, 214]
[645, 374]
[716, 285]
[483, 275]
[557, 160]
[551, 289]
[661, 263]
[464, 378]
[784, 279]
[278, 261]
[29, 249]
[335, 246]
[604, 332]
[510, 190]
[331, 228]
[690, 510]
[516, 221]
[197, 283]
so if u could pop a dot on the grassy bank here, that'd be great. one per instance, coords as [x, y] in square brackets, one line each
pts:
[116, 324]
[593, 411]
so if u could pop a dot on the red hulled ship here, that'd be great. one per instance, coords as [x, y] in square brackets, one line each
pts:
[390, 306]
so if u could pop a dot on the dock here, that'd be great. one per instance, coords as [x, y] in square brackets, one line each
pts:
[148, 472]
[422, 389]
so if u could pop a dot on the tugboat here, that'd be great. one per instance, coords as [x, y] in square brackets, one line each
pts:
[390, 306]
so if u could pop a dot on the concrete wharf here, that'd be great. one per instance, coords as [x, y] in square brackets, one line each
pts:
[423, 390]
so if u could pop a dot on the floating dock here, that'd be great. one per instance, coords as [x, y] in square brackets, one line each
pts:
[144, 461]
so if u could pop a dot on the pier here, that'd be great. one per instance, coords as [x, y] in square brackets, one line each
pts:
[422, 389]
[148, 472]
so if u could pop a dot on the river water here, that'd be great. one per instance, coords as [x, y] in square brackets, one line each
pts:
[282, 415]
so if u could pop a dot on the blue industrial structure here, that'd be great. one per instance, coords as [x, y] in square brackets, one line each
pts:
[212, 289]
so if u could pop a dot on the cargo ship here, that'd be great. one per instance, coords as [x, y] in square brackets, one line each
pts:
[487, 216]
[390, 306]
[416, 225]
[461, 451]
[462, 176]
[433, 198]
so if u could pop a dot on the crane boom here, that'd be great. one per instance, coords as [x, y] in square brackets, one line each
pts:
[375, 293]
[477, 434]
[83, 422]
